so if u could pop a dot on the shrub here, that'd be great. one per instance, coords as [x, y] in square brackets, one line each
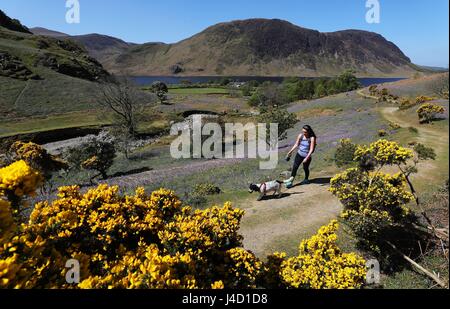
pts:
[375, 203]
[423, 99]
[150, 241]
[406, 104]
[16, 181]
[95, 154]
[394, 126]
[282, 117]
[268, 95]
[160, 89]
[424, 152]
[321, 264]
[247, 90]
[382, 133]
[413, 130]
[428, 112]
[384, 152]
[196, 200]
[206, 189]
[345, 153]
[373, 90]
[38, 158]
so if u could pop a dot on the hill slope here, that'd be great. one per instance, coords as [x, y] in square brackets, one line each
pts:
[42, 75]
[266, 47]
[101, 47]
[47, 32]
[12, 24]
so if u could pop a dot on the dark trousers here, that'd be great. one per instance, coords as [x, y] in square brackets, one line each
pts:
[298, 161]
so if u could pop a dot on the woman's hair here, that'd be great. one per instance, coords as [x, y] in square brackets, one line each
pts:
[310, 131]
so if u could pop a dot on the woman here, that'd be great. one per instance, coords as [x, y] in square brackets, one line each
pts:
[305, 147]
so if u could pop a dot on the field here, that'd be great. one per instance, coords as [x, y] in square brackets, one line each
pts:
[201, 91]
[272, 224]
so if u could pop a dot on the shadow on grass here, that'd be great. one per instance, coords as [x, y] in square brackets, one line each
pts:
[131, 172]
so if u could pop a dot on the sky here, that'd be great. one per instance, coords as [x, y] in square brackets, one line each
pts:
[420, 28]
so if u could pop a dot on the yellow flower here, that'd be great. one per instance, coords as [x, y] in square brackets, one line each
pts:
[19, 179]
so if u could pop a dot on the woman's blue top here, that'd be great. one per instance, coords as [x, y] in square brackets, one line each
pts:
[305, 147]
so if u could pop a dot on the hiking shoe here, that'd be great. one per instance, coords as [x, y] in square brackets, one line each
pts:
[305, 182]
[289, 181]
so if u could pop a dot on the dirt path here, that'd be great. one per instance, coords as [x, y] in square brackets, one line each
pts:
[269, 223]
[275, 224]
[432, 137]
[19, 97]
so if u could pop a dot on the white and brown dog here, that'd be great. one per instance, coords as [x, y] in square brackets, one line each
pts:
[263, 189]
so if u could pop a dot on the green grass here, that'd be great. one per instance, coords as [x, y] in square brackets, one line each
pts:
[53, 122]
[54, 93]
[197, 91]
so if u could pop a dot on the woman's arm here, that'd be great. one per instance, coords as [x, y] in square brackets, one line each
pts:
[311, 149]
[297, 144]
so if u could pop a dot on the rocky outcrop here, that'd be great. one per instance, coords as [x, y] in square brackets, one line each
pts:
[13, 67]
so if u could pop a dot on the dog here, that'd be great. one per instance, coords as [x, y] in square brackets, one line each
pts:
[263, 189]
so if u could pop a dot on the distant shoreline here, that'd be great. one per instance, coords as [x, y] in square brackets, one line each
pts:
[172, 80]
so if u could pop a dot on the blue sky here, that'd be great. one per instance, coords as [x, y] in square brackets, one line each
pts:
[420, 28]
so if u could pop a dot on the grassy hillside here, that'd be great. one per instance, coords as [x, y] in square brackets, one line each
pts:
[55, 76]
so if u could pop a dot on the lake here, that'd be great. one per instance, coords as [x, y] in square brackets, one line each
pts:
[175, 80]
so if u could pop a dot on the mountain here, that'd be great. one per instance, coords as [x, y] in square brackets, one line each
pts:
[254, 47]
[266, 47]
[101, 47]
[47, 32]
[434, 69]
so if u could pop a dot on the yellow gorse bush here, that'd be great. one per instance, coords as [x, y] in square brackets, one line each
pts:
[7, 224]
[376, 195]
[423, 99]
[427, 112]
[385, 152]
[19, 179]
[321, 264]
[375, 203]
[138, 241]
[148, 241]
[37, 157]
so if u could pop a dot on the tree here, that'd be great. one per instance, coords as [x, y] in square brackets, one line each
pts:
[96, 154]
[247, 90]
[120, 96]
[439, 86]
[320, 90]
[161, 90]
[280, 116]
[269, 95]
[429, 112]
[348, 81]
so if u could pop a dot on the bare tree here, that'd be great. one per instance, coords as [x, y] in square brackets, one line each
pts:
[125, 101]
[440, 86]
